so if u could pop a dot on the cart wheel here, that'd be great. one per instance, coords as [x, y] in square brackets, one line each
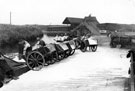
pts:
[94, 48]
[83, 50]
[67, 53]
[1, 84]
[113, 45]
[61, 56]
[56, 57]
[35, 61]
[72, 52]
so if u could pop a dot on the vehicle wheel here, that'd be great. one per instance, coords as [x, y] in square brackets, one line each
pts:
[113, 45]
[72, 52]
[119, 46]
[94, 48]
[55, 57]
[83, 49]
[35, 61]
[1, 84]
[61, 56]
[67, 53]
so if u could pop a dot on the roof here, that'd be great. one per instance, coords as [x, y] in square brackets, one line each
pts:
[91, 26]
[57, 26]
[91, 19]
[72, 20]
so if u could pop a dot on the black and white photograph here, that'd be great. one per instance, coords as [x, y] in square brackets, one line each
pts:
[67, 45]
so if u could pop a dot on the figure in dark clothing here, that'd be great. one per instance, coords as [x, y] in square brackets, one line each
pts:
[24, 48]
[132, 51]
[40, 42]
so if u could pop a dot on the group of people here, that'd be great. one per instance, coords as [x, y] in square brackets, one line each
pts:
[61, 38]
[25, 47]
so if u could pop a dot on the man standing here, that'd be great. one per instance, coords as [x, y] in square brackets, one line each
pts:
[24, 47]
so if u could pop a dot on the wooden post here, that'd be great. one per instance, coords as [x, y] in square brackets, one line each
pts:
[132, 74]
[10, 19]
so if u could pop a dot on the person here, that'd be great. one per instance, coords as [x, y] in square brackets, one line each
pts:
[56, 38]
[24, 48]
[65, 37]
[132, 51]
[40, 42]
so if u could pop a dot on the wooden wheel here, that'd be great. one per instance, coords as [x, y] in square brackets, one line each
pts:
[72, 52]
[67, 53]
[35, 60]
[113, 45]
[94, 48]
[56, 57]
[61, 56]
[1, 84]
[83, 47]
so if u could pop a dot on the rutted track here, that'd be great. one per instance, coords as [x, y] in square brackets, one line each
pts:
[104, 70]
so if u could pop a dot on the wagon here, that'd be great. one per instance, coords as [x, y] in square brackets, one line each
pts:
[122, 41]
[67, 48]
[51, 53]
[43, 56]
[83, 44]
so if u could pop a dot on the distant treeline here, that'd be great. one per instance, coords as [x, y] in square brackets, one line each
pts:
[115, 26]
[11, 34]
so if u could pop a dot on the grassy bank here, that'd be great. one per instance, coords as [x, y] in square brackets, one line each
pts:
[11, 34]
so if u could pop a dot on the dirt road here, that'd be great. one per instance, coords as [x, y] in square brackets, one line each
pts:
[103, 70]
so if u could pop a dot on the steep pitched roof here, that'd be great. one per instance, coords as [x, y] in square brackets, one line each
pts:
[90, 26]
[71, 20]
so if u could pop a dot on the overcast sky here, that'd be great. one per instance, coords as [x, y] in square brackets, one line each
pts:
[54, 11]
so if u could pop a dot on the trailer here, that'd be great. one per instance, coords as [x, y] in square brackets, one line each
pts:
[83, 44]
[122, 40]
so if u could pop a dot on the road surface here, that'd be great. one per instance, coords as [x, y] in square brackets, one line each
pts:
[103, 70]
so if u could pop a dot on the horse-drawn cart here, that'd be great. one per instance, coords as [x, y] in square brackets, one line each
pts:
[35, 59]
[83, 44]
[40, 57]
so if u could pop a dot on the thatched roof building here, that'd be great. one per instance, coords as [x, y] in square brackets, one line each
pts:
[87, 25]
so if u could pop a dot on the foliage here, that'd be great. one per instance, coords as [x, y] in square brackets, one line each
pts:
[11, 34]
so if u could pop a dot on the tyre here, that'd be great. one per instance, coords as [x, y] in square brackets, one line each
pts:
[1, 84]
[35, 61]
[94, 48]
[113, 45]
[72, 52]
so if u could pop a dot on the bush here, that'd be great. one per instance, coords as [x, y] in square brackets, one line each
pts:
[11, 34]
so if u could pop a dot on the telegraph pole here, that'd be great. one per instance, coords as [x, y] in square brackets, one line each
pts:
[10, 19]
